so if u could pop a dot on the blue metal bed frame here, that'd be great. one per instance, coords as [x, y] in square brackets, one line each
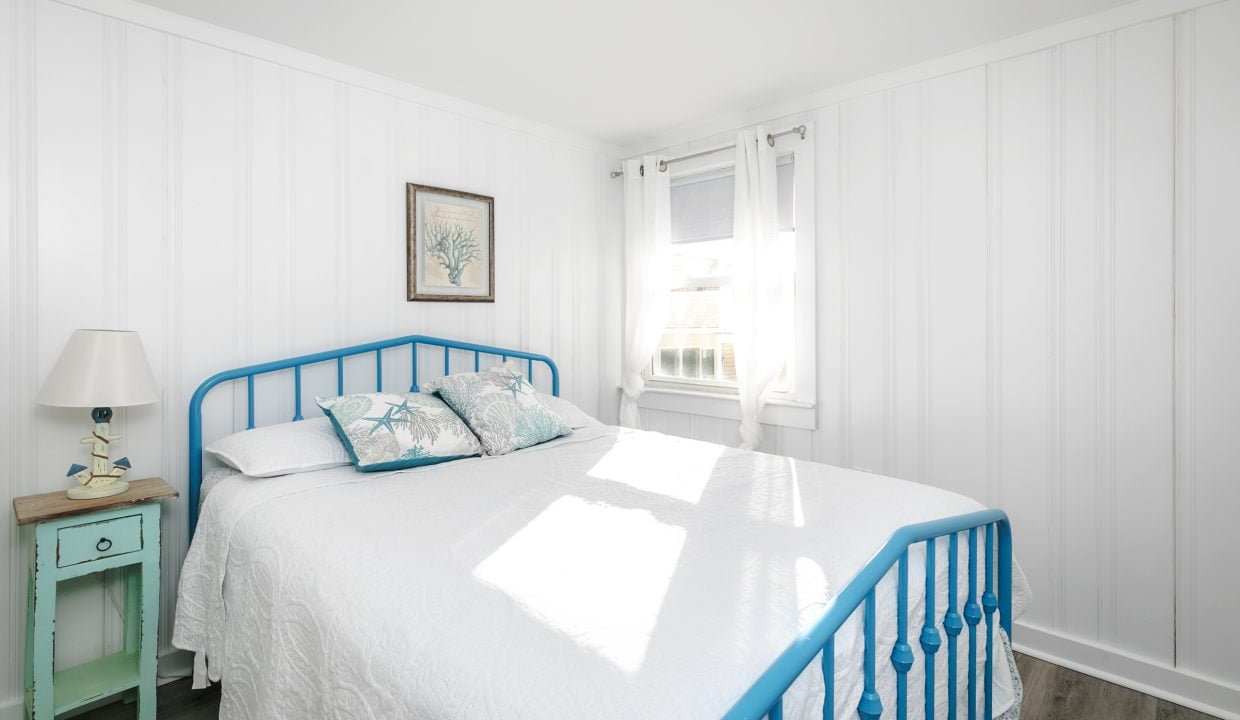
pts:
[765, 697]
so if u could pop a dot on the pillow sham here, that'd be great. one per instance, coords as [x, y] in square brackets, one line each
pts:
[214, 477]
[282, 449]
[390, 431]
[573, 416]
[502, 409]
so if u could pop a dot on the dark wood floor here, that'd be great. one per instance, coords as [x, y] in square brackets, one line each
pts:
[1056, 693]
[1051, 693]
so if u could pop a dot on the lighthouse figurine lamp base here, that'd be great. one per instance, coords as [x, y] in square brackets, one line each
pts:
[100, 369]
[103, 477]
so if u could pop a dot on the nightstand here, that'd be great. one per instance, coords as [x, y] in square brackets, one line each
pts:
[77, 537]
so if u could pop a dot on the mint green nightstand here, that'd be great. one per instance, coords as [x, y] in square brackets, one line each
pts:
[78, 537]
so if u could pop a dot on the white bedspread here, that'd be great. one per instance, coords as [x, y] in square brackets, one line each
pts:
[610, 574]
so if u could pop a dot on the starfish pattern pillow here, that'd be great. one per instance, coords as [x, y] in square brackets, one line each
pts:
[391, 431]
[502, 409]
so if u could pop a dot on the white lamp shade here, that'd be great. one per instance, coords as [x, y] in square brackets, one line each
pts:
[100, 368]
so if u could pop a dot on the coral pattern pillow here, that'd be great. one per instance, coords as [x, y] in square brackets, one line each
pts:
[502, 409]
[390, 431]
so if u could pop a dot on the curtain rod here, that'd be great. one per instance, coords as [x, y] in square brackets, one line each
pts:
[770, 140]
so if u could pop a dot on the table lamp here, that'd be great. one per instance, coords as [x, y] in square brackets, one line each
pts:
[100, 369]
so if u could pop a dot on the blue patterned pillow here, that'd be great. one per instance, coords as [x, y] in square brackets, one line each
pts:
[502, 409]
[390, 431]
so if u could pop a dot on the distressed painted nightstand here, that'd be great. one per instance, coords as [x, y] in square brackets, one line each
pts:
[77, 537]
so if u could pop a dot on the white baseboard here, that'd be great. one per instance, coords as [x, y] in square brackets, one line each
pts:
[1175, 685]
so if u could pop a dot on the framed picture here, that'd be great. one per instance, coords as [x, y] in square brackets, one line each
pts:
[451, 245]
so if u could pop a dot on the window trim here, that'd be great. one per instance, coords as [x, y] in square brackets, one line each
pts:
[796, 409]
[782, 412]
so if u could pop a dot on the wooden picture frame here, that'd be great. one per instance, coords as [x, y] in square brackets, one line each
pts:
[450, 245]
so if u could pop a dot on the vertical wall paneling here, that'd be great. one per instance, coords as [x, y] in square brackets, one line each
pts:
[1144, 340]
[18, 212]
[954, 310]
[140, 123]
[610, 311]
[1024, 226]
[242, 225]
[234, 210]
[1026, 296]
[9, 657]
[266, 312]
[1054, 331]
[864, 129]
[172, 545]
[905, 251]
[343, 240]
[74, 145]
[1078, 314]
[829, 441]
[1185, 334]
[1208, 339]
[994, 290]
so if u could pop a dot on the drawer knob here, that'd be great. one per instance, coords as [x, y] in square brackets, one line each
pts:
[103, 545]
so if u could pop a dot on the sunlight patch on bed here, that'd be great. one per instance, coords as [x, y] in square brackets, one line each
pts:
[775, 493]
[813, 592]
[676, 469]
[595, 573]
[798, 511]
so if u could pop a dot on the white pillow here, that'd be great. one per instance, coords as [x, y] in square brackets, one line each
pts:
[282, 449]
[211, 478]
[572, 415]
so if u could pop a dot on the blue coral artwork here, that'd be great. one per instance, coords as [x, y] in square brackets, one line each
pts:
[451, 245]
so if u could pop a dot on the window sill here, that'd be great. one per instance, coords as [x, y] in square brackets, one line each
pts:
[777, 412]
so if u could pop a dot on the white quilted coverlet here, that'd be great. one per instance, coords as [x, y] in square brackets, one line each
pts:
[610, 574]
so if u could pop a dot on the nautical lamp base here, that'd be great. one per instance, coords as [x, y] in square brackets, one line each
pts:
[87, 492]
[102, 478]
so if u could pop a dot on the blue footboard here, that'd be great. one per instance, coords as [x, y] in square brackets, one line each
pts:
[765, 697]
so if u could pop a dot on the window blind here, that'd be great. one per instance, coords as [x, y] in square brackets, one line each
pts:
[702, 203]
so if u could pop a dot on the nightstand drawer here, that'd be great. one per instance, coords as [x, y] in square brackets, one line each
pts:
[92, 541]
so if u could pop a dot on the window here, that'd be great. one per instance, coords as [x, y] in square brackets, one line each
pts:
[696, 350]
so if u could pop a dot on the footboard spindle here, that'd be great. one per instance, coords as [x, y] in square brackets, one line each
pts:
[930, 641]
[765, 697]
[972, 615]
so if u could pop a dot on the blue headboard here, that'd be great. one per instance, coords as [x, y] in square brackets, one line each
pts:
[297, 363]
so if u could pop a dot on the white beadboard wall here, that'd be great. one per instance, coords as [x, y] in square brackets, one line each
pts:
[232, 210]
[1027, 294]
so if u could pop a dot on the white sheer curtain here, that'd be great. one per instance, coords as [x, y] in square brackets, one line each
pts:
[761, 292]
[647, 251]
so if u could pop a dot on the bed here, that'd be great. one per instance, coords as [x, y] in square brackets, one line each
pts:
[612, 573]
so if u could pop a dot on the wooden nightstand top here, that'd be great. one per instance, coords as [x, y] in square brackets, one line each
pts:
[52, 505]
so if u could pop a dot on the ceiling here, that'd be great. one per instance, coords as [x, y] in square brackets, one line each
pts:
[623, 71]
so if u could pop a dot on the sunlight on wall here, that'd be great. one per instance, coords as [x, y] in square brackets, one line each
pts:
[680, 472]
[595, 573]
